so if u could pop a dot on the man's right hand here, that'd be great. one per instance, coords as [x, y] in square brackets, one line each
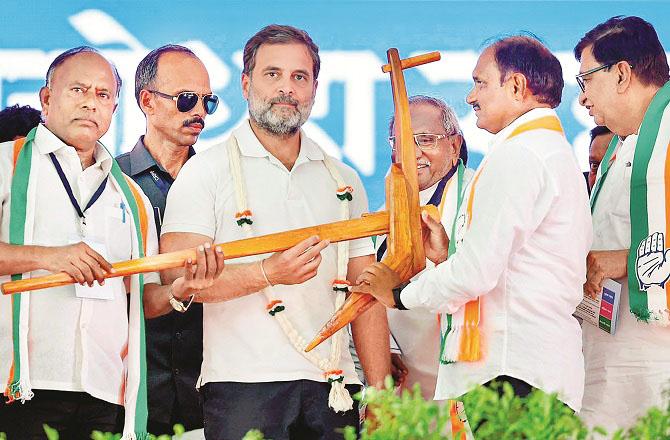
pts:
[77, 260]
[435, 239]
[297, 264]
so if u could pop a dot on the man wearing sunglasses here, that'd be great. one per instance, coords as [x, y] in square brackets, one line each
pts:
[173, 91]
[624, 85]
[270, 177]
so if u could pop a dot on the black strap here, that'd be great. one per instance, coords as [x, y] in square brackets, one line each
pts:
[434, 200]
[70, 194]
[160, 182]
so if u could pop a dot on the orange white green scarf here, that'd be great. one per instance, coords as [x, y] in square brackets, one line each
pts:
[460, 331]
[26, 156]
[648, 263]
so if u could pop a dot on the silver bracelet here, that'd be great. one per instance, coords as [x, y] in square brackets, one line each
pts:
[265, 276]
[180, 306]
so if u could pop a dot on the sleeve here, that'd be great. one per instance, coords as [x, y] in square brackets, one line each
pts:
[507, 208]
[359, 206]
[190, 205]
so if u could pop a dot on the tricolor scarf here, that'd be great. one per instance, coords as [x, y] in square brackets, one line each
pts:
[461, 337]
[648, 272]
[338, 399]
[21, 222]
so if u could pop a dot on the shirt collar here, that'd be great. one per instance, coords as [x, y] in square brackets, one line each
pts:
[48, 142]
[535, 113]
[141, 160]
[251, 146]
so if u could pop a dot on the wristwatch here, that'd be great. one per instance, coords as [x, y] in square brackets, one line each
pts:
[180, 306]
[397, 303]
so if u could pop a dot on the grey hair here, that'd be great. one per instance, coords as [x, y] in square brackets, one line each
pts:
[449, 120]
[60, 59]
[147, 69]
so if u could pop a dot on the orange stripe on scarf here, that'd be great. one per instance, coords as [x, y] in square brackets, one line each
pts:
[457, 426]
[18, 145]
[143, 213]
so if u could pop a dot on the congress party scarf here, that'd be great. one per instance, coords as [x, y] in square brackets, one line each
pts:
[648, 272]
[26, 159]
[461, 338]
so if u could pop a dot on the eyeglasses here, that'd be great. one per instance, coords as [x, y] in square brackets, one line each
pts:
[425, 141]
[580, 77]
[187, 100]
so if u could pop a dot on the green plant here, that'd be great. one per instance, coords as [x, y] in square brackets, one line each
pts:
[52, 434]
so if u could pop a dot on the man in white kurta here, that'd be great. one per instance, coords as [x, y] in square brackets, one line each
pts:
[627, 372]
[522, 235]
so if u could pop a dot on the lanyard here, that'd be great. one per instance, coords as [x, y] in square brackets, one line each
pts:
[70, 194]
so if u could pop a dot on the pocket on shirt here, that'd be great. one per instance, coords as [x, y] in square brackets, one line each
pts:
[118, 228]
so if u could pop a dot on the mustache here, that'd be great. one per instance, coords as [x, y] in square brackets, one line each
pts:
[284, 99]
[194, 120]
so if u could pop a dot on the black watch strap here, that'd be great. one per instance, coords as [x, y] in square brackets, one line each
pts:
[396, 298]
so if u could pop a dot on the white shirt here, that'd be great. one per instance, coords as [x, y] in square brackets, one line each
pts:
[242, 342]
[625, 372]
[524, 254]
[417, 332]
[75, 344]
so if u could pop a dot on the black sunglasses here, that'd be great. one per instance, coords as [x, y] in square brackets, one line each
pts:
[187, 100]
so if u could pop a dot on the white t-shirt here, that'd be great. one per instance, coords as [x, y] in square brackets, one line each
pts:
[627, 372]
[524, 254]
[242, 342]
[74, 344]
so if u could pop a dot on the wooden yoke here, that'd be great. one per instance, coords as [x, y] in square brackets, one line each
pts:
[405, 253]
[402, 222]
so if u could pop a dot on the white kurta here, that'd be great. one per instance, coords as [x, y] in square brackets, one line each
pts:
[417, 332]
[75, 344]
[524, 254]
[625, 372]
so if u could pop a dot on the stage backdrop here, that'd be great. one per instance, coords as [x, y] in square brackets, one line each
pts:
[353, 103]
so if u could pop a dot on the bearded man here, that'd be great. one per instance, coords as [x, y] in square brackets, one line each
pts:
[270, 177]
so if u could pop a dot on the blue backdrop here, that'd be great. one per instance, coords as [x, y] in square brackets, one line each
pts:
[353, 103]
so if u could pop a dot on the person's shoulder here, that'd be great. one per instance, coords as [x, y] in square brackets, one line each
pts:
[123, 160]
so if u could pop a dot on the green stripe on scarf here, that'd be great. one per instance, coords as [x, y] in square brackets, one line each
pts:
[17, 221]
[141, 405]
[452, 250]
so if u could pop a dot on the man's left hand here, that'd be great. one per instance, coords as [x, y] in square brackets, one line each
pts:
[378, 280]
[201, 274]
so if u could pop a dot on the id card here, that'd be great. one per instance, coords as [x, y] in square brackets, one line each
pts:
[104, 292]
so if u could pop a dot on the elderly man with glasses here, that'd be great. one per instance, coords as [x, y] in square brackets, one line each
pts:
[173, 91]
[441, 156]
[625, 87]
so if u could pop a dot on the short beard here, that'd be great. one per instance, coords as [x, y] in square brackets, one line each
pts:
[278, 124]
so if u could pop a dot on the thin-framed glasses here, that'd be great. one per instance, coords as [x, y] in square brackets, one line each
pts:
[425, 141]
[185, 101]
[580, 77]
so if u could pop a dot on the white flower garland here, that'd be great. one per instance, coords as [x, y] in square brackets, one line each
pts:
[338, 399]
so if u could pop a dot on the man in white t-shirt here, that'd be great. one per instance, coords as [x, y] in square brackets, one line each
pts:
[515, 266]
[270, 177]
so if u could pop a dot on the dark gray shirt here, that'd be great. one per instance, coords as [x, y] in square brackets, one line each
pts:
[174, 341]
